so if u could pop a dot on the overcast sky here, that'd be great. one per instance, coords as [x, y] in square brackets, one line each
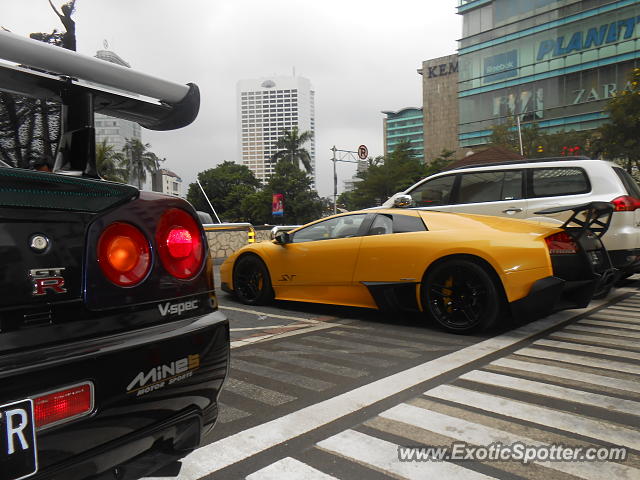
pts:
[360, 56]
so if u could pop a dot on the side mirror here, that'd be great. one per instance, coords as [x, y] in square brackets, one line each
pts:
[281, 238]
[403, 201]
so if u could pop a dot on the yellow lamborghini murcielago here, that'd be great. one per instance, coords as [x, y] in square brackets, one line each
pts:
[462, 271]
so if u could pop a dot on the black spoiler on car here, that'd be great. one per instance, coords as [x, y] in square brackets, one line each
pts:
[593, 216]
[84, 85]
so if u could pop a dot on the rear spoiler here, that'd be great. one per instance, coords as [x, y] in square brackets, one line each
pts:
[84, 85]
[593, 216]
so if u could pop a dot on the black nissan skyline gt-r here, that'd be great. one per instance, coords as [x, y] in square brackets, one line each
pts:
[112, 348]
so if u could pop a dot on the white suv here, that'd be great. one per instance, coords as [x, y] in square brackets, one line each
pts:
[518, 189]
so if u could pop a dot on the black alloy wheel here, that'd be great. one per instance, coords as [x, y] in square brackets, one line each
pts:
[460, 296]
[251, 281]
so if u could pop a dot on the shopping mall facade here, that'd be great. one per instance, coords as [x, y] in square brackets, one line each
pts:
[552, 62]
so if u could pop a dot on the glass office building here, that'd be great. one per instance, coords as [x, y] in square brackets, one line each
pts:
[552, 62]
[405, 125]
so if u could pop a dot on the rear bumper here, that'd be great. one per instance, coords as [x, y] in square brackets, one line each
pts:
[136, 455]
[551, 294]
[156, 391]
[627, 261]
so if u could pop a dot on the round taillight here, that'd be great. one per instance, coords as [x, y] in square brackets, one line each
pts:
[123, 254]
[179, 243]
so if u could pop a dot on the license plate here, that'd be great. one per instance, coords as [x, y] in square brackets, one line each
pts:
[18, 452]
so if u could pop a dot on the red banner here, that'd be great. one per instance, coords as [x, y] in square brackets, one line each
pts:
[277, 205]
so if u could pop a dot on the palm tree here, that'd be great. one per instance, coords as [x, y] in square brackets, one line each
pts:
[109, 163]
[292, 150]
[139, 160]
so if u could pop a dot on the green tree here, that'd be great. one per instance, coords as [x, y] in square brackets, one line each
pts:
[619, 138]
[506, 135]
[564, 144]
[384, 177]
[536, 143]
[301, 202]
[108, 163]
[291, 149]
[440, 163]
[138, 160]
[226, 185]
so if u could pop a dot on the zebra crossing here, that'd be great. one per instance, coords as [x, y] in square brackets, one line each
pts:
[577, 386]
[290, 372]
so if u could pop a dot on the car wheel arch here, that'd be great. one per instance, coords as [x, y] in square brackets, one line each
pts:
[481, 262]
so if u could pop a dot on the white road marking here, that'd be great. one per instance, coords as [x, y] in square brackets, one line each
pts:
[554, 391]
[604, 331]
[617, 316]
[623, 308]
[273, 336]
[600, 323]
[580, 360]
[383, 455]
[625, 317]
[596, 339]
[244, 329]
[289, 469]
[478, 434]
[569, 374]
[548, 417]
[612, 352]
[235, 448]
[256, 392]
[265, 315]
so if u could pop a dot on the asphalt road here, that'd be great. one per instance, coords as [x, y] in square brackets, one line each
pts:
[329, 392]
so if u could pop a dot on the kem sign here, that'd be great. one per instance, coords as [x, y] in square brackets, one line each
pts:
[593, 37]
[442, 70]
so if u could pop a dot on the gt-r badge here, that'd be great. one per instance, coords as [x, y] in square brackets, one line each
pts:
[47, 280]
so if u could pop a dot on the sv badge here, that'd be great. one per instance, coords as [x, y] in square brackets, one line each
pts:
[287, 278]
[47, 280]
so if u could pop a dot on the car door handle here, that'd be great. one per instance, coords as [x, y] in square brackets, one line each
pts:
[512, 210]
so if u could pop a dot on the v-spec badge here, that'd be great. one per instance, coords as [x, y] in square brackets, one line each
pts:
[177, 308]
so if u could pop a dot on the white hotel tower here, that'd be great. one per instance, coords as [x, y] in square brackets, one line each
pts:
[268, 107]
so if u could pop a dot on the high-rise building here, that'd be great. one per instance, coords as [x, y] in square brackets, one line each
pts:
[267, 107]
[554, 63]
[114, 130]
[405, 125]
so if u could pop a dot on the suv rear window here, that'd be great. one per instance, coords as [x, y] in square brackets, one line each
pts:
[550, 182]
[629, 183]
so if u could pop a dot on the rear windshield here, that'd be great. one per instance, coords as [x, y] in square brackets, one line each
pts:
[628, 182]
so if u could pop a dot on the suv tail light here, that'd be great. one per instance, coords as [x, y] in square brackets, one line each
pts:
[123, 254]
[561, 243]
[626, 203]
[179, 243]
[63, 405]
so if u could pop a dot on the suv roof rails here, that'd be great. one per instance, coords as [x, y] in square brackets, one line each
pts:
[84, 85]
[524, 160]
